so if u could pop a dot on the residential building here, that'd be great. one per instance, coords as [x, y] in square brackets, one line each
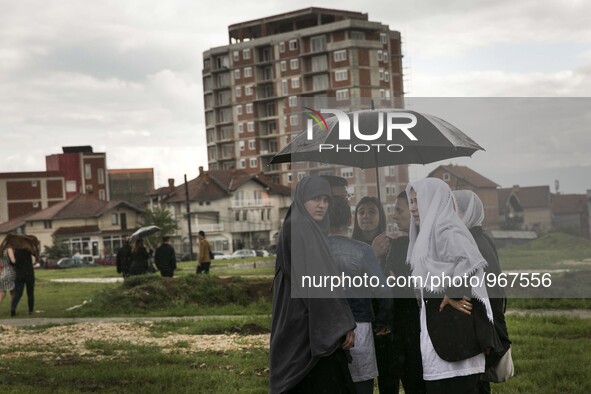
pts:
[234, 208]
[525, 208]
[254, 87]
[464, 178]
[84, 170]
[570, 214]
[85, 224]
[23, 193]
[131, 184]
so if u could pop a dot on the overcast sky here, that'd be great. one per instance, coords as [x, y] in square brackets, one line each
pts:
[125, 77]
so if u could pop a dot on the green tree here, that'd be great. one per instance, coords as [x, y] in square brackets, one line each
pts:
[56, 251]
[162, 218]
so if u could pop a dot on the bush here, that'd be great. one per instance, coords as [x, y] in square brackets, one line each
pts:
[143, 293]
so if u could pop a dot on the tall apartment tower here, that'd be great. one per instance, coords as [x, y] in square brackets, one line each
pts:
[255, 86]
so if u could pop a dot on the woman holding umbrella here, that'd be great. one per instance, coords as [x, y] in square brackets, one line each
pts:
[140, 258]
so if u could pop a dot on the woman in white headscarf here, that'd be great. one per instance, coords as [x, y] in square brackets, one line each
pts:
[453, 342]
[470, 209]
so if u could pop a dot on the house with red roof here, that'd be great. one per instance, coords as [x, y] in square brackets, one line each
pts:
[570, 214]
[234, 208]
[526, 208]
[87, 225]
[464, 178]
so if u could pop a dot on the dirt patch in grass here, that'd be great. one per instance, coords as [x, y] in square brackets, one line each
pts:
[95, 341]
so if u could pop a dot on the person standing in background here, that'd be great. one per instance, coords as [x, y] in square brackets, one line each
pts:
[165, 258]
[204, 254]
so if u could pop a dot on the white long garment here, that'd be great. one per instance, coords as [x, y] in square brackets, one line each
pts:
[364, 365]
[434, 367]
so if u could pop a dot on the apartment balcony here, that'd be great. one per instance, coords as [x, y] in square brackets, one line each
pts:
[251, 203]
[248, 227]
[210, 228]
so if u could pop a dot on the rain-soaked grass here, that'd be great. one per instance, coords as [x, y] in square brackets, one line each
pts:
[551, 355]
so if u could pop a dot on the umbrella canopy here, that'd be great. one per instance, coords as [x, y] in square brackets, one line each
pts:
[377, 138]
[143, 232]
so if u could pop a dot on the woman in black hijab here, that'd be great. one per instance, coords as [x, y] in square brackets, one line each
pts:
[312, 327]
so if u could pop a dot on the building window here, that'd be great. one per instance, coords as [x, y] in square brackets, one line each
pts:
[114, 219]
[283, 66]
[248, 90]
[71, 186]
[347, 172]
[242, 163]
[281, 47]
[289, 178]
[249, 108]
[241, 145]
[284, 87]
[341, 75]
[238, 91]
[294, 64]
[357, 35]
[251, 144]
[386, 57]
[247, 72]
[102, 194]
[383, 38]
[240, 127]
[250, 126]
[387, 76]
[380, 56]
[318, 44]
[87, 171]
[237, 216]
[47, 224]
[253, 162]
[295, 83]
[36, 204]
[340, 56]
[301, 175]
[237, 74]
[294, 120]
[293, 45]
[446, 176]
[101, 176]
[381, 74]
[33, 183]
[239, 109]
[382, 93]
[387, 94]
[342, 94]
[293, 101]
[246, 53]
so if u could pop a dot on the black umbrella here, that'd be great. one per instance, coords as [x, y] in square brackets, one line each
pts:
[377, 138]
[143, 232]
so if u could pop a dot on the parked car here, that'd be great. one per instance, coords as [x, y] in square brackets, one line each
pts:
[73, 262]
[239, 254]
[263, 253]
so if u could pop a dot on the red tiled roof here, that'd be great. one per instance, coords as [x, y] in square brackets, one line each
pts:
[218, 184]
[563, 204]
[529, 197]
[13, 224]
[77, 230]
[80, 206]
[468, 175]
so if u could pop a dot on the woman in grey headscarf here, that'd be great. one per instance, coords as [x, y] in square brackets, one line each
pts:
[470, 209]
[309, 333]
[453, 343]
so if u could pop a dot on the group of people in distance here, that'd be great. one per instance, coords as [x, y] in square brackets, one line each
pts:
[17, 255]
[136, 261]
[431, 337]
